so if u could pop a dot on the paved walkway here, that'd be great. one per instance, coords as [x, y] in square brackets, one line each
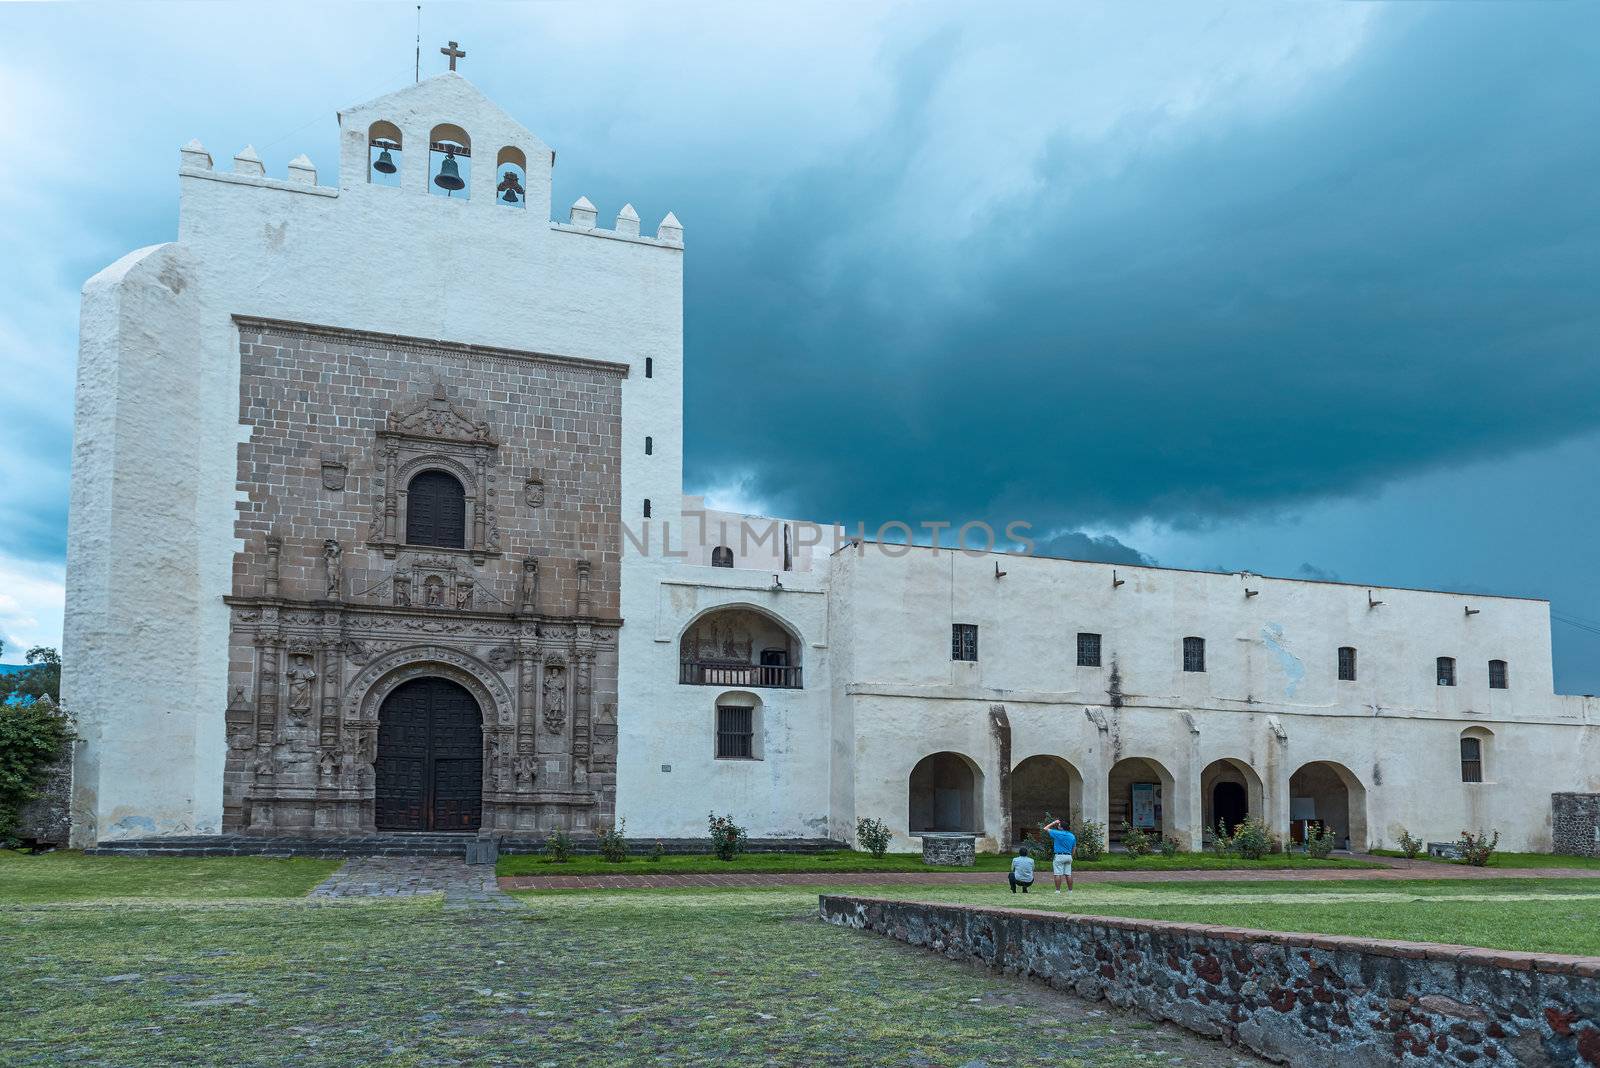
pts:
[1396, 869]
[463, 886]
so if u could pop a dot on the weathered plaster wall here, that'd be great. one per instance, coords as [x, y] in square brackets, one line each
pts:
[1310, 1001]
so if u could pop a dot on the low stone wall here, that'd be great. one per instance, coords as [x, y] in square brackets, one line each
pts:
[1305, 1000]
[1575, 824]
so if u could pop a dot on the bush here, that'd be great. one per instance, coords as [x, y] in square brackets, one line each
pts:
[658, 850]
[1477, 849]
[1222, 843]
[1252, 840]
[1411, 847]
[32, 737]
[613, 844]
[1091, 840]
[873, 836]
[558, 847]
[1319, 842]
[1170, 846]
[1135, 841]
[727, 837]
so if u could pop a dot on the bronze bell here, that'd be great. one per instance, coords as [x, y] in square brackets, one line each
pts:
[449, 176]
[384, 164]
[510, 187]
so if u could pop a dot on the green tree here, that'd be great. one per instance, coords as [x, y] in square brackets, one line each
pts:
[41, 678]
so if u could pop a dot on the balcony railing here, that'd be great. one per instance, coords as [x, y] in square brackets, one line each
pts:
[722, 673]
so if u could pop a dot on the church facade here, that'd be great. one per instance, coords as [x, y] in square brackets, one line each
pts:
[378, 525]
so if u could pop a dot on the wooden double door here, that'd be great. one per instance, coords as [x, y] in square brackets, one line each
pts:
[430, 758]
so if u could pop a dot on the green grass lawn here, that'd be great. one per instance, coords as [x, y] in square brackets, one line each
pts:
[67, 875]
[631, 978]
[845, 860]
[1513, 860]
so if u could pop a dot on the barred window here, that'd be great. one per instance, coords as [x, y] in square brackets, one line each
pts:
[1446, 672]
[735, 732]
[1347, 663]
[1088, 650]
[647, 507]
[1497, 675]
[963, 641]
[722, 556]
[649, 367]
[1471, 759]
[649, 445]
[1194, 654]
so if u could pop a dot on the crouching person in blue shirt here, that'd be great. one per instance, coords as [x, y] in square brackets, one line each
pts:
[1021, 871]
[1064, 842]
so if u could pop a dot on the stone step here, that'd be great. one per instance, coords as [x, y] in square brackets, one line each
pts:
[420, 844]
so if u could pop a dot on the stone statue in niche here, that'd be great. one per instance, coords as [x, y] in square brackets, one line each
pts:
[333, 567]
[527, 769]
[433, 591]
[533, 491]
[463, 594]
[528, 591]
[326, 764]
[300, 677]
[402, 590]
[333, 471]
[555, 698]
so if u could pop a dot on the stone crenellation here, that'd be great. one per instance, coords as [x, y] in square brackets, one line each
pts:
[1314, 1001]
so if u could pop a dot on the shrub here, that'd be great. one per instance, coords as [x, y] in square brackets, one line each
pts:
[1253, 840]
[1477, 849]
[1135, 841]
[1091, 840]
[1222, 843]
[658, 850]
[1411, 847]
[873, 835]
[559, 847]
[32, 737]
[727, 837]
[1319, 842]
[1170, 846]
[613, 844]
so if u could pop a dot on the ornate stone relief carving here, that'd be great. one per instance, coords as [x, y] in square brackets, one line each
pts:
[533, 490]
[555, 696]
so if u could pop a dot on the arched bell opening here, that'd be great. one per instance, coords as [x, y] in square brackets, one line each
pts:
[384, 154]
[449, 161]
[511, 178]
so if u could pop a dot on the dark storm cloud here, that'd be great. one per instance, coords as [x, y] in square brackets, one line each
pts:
[1397, 272]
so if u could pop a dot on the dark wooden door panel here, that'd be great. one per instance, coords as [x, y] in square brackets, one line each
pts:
[430, 759]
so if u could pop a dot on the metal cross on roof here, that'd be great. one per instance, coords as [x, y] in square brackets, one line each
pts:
[454, 53]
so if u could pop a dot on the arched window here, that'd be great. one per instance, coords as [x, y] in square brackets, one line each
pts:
[511, 178]
[1347, 663]
[1194, 654]
[647, 507]
[722, 556]
[449, 161]
[436, 511]
[1474, 742]
[1446, 670]
[738, 727]
[383, 153]
[1497, 675]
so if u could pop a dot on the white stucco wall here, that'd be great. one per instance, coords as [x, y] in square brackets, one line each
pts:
[354, 255]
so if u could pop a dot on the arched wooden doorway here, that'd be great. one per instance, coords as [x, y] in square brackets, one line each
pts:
[430, 758]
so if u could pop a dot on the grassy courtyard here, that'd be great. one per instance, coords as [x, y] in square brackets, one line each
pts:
[851, 861]
[1513, 860]
[113, 961]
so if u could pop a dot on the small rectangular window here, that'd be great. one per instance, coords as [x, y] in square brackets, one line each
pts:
[735, 732]
[649, 445]
[1194, 654]
[647, 507]
[1497, 674]
[1347, 664]
[1088, 650]
[1446, 673]
[1471, 760]
[649, 367]
[963, 641]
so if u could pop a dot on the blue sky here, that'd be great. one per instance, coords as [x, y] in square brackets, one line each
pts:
[1302, 289]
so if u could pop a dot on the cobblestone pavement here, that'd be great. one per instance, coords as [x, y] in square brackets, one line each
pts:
[1396, 869]
[463, 885]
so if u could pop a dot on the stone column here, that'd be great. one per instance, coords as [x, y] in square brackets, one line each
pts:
[583, 674]
[332, 692]
[1189, 812]
[391, 492]
[1097, 790]
[274, 551]
[1275, 780]
[583, 588]
[267, 691]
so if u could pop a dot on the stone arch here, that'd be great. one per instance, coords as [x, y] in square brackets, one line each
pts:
[1228, 784]
[1040, 784]
[1476, 740]
[384, 153]
[1129, 800]
[511, 161]
[379, 678]
[1330, 793]
[449, 141]
[945, 793]
[740, 644]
